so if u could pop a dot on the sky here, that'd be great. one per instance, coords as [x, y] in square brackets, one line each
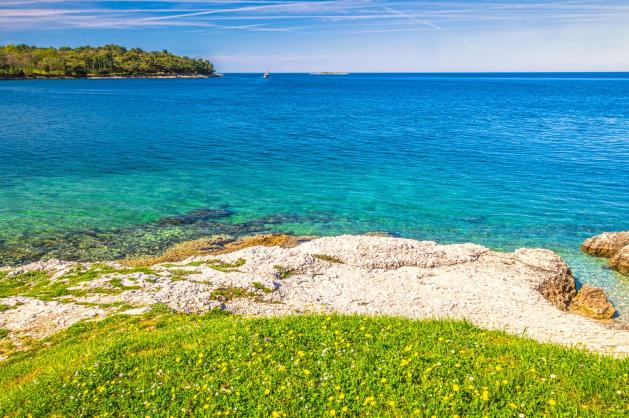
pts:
[341, 35]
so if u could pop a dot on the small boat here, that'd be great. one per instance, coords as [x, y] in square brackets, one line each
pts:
[266, 75]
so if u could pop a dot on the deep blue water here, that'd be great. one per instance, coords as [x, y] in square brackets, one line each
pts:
[505, 160]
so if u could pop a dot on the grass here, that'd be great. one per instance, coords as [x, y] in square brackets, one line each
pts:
[283, 272]
[260, 286]
[118, 284]
[38, 284]
[219, 265]
[181, 274]
[328, 258]
[165, 364]
[225, 294]
[227, 267]
[3, 333]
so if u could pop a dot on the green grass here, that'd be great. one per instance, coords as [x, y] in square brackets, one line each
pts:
[39, 285]
[4, 307]
[118, 284]
[220, 265]
[328, 258]
[3, 333]
[165, 364]
[225, 294]
[181, 274]
[260, 286]
[283, 272]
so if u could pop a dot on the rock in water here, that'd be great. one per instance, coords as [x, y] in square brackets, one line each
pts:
[614, 245]
[605, 244]
[620, 260]
[592, 302]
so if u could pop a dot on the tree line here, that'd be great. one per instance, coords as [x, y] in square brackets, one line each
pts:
[109, 60]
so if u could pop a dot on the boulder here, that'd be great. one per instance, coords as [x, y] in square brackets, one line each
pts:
[592, 302]
[613, 245]
[605, 244]
[558, 285]
[620, 260]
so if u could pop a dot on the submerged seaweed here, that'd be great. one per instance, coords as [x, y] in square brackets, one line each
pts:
[140, 240]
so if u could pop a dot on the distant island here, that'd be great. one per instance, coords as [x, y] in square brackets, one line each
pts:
[330, 73]
[24, 61]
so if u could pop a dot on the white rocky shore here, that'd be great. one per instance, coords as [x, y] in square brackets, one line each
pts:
[529, 292]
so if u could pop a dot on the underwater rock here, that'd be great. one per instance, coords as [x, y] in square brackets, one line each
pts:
[592, 302]
[197, 215]
[150, 239]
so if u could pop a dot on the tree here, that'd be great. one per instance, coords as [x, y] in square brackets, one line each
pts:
[108, 60]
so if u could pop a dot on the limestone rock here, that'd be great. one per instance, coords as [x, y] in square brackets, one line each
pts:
[620, 260]
[558, 285]
[592, 302]
[613, 245]
[605, 244]
[517, 292]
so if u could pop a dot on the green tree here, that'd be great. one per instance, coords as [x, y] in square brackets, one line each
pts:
[108, 60]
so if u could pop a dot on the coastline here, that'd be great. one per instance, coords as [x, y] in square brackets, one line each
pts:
[113, 77]
[529, 291]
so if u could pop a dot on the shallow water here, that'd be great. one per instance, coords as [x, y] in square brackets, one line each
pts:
[502, 160]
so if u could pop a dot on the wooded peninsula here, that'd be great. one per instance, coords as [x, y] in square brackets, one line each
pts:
[24, 61]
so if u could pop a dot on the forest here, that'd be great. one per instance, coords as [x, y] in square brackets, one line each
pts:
[24, 61]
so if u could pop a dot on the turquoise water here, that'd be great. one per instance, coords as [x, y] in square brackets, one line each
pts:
[97, 168]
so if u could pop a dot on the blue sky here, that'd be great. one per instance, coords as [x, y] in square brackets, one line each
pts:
[343, 35]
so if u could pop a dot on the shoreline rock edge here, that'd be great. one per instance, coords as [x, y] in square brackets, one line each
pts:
[529, 291]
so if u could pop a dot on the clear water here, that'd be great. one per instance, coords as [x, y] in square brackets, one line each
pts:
[90, 167]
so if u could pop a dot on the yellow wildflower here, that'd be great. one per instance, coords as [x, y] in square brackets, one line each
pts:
[552, 402]
[332, 412]
[485, 395]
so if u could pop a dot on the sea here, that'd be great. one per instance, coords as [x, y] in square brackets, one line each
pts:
[111, 168]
